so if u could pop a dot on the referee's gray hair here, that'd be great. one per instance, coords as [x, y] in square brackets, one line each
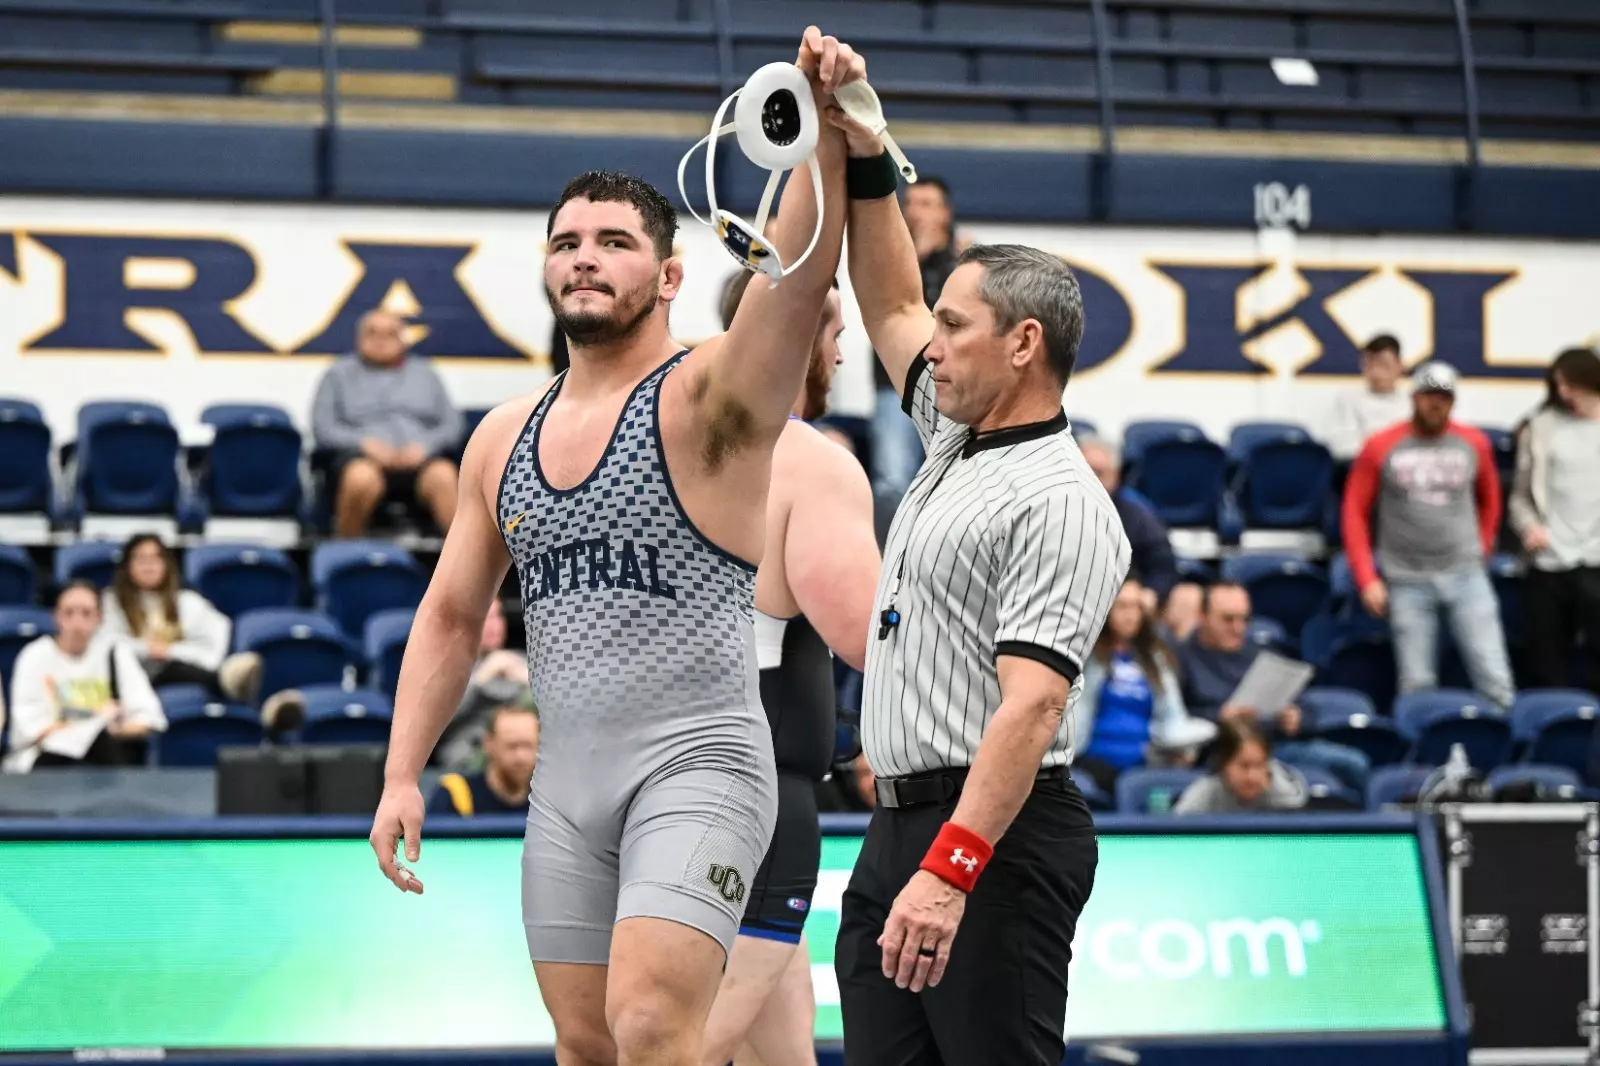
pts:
[1020, 283]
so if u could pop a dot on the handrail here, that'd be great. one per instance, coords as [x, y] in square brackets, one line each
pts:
[1469, 82]
[1102, 77]
[722, 24]
[329, 134]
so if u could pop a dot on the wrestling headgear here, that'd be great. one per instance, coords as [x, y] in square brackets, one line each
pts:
[776, 122]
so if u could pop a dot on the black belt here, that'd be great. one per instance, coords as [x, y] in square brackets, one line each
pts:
[937, 786]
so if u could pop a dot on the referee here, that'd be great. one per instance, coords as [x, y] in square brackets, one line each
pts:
[999, 570]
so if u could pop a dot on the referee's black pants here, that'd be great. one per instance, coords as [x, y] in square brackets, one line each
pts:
[1003, 999]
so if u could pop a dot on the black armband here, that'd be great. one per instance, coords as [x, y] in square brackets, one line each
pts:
[871, 179]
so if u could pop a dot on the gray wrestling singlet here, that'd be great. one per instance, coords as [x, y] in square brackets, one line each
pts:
[655, 790]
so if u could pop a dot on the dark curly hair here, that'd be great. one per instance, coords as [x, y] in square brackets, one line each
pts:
[615, 187]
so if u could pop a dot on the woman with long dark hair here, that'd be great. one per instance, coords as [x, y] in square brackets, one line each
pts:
[180, 638]
[1131, 710]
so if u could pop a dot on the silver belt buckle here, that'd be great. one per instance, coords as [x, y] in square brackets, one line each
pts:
[887, 796]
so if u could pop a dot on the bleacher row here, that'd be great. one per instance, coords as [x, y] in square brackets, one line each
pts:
[1267, 476]
[1384, 66]
[127, 459]
[342, 647]
[344, 651]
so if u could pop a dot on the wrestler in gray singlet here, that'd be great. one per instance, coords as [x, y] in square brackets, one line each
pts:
[655, 791]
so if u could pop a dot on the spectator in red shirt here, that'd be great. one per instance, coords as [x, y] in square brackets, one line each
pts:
[1434, 485]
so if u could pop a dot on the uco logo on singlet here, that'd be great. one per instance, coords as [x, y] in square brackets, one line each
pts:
[728, 882]
[595, 562]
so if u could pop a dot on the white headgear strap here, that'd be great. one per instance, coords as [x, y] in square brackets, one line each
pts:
[771, 134]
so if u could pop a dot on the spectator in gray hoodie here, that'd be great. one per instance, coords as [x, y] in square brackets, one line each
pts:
[1555, 510]
[1244, 777]
[392, 428]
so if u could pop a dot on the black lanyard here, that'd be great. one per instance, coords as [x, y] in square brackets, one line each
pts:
[889, 617]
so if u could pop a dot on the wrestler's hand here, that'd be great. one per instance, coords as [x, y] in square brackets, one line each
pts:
[828, 61]
[925, 915]
[400, 814]
[859, 142]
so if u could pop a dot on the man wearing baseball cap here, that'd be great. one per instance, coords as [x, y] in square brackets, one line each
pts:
[1438, 510]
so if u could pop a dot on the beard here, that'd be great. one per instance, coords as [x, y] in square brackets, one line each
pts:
[585, 329]
[819, 377]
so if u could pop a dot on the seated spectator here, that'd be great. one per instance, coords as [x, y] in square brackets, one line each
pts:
[1379, 403]
[1131, 711]
[1215, 659]
[511, 751]
[392, 428]
[499, 678]
[1244, 777]
[77, 682]
[1555, 508]
[1147, 534]
[1425, 493]
[180, 638]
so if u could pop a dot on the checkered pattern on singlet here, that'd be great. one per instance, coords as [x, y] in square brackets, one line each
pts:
[596, 564]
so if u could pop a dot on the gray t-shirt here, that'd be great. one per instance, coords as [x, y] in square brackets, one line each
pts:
[399, 405]
[1572, 494]
[1437, 502]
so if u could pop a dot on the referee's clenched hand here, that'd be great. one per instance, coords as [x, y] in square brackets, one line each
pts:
[921, 927]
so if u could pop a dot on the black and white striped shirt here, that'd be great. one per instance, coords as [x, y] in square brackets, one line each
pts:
[1005, 544]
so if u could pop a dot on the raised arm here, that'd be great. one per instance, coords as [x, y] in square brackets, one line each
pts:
[884, 270]
[443, 644]
[755, 369]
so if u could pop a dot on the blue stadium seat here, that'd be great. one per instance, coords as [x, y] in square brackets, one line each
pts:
[1270, 634]
[385, 643]
[242, 577]
[1555, 726]
[1438, 719]
[17, 581]
[1283, 477]
[1196, 570]
[1285, 588]
[470, 418]
[1137, 435]
[1353, 652]
[337, 716]
[1181, 473]
[19, 627]
[1245, 436]
[1093, 795]
[1555, 782]
[1346, 716]
[127, 460]
[1343, 596]
[254, 462]
[1138, 790]
[1505, 573]
[197, 726]
[355, 579]
[1504, 446]
[25, 486]
[90, 560]
[1324, 785]
[1395, 784]
[297, 648]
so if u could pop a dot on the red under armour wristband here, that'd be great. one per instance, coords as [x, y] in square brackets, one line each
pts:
[958, 855]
